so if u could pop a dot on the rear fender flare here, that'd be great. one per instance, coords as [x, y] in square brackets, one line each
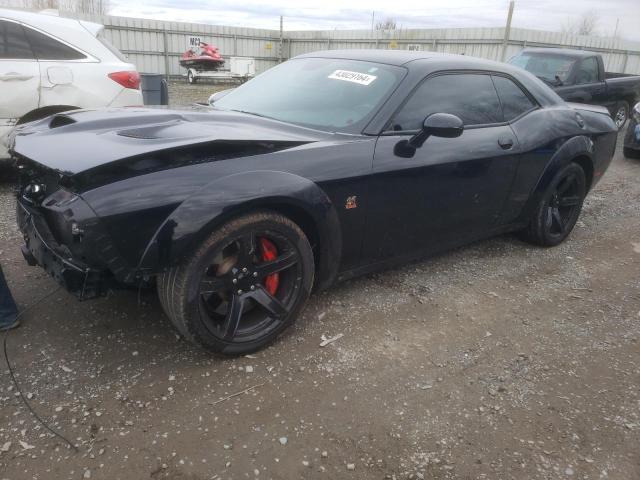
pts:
[580, 147]
[233, 195]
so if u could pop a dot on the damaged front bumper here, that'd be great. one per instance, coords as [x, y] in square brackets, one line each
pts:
[41, 249]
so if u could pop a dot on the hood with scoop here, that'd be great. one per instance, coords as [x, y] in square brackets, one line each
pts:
[78, 141]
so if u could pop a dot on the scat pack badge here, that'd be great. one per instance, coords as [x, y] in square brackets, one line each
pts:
[351, 203]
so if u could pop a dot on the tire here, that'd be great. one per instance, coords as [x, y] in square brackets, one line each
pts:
[630, 152]
[559, 208]
[191, 78]
[620, 114]
[203, 295]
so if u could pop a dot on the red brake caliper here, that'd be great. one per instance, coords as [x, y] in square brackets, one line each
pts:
[270, 253]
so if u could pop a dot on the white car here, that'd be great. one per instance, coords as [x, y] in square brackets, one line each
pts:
[50, 64]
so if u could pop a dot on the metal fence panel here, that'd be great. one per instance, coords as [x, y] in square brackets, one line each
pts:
[155, 45]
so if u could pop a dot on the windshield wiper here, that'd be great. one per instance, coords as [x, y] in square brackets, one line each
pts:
[252, 113]
[546, 80]
[557, 83]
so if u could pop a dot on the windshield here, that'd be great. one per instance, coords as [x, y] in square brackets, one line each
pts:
[324, 93]
[550, 68]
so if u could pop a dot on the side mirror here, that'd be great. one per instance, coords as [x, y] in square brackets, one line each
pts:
[435, 125]
[218, 95]
[438, 125]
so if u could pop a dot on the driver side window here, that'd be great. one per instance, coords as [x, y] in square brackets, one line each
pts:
[472, 97]
[588, 71]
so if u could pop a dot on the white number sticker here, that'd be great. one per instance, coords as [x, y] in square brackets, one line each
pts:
[355, 77]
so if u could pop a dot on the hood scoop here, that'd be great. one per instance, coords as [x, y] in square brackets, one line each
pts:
[139, 133]
[168, 130]
[61, 121]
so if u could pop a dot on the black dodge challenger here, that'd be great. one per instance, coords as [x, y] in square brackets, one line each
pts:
[327, 166]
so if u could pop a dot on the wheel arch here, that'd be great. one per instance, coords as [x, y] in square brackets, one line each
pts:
[42, 112]
[578, 150]
[297, 198]
[586, 163]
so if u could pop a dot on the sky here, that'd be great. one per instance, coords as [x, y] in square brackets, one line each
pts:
[356, 14]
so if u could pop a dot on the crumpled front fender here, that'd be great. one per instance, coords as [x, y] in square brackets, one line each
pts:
[230, 196]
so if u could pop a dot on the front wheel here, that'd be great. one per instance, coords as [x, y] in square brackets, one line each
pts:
[559, 208]
[620, 114]
[243, 287]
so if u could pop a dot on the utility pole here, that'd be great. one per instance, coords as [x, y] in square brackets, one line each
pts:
[373, 17]
[281, 37]
[507, 31]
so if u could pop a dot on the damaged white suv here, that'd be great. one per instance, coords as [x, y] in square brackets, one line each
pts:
[49, 64]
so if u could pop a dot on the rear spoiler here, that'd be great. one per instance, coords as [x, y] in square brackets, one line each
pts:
[589, 108]
[92, 28]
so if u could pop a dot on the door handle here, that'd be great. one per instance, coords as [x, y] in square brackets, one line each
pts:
[14, 76]
[506, 143]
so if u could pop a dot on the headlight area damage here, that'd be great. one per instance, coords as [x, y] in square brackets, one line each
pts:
[63, 235]
[58, 234]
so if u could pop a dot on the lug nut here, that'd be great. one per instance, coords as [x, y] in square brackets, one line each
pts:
[253, 287]
[244, 270]
[235, 280]
[239, 292]
[255, 274]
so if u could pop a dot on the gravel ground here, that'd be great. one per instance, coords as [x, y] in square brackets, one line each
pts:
[495, 361]
[181, 93]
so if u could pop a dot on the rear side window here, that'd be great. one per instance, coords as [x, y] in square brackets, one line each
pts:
[588, 71]
[47, 48]
[13, 42]
[472, 97]
[513, 99]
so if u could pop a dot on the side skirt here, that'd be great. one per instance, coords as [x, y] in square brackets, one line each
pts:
[422, 254]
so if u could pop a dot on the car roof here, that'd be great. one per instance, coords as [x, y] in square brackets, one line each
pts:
[389, 57]
[423, 61]
[560, 51]
[40, 20]
[434, 60]
[77, 33]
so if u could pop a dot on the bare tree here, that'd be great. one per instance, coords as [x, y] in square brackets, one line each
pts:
[586, 24]
[388, 24]
[75, 6]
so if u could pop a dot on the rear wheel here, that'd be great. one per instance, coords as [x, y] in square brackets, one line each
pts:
[559, 208]
[244, 286]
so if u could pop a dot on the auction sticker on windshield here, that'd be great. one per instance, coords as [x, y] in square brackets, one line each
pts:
[355, 77]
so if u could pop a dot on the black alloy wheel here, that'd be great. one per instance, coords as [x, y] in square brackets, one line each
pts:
[559, 208]
[244, 286]
[243, 294]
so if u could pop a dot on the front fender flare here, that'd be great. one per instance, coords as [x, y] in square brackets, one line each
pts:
[230, 196]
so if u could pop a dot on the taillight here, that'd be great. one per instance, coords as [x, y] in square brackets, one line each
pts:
[126, 79]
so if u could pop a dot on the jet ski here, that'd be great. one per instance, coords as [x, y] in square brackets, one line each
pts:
[207, 59]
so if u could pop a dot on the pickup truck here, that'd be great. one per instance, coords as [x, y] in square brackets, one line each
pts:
[579, 76]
